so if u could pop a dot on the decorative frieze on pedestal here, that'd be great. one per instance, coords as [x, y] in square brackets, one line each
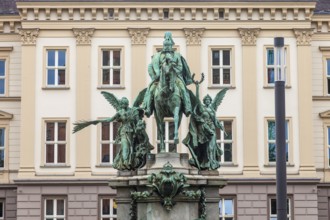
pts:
[29, 36]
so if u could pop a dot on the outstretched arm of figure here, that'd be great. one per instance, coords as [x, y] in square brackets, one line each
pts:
[79, 125]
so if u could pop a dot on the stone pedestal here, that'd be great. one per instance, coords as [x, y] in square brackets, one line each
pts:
[151, 208]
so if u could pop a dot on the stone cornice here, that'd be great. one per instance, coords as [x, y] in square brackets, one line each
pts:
[249, 36]
[28, 36]
[138, 35]
[83, 35]
[193, 35]
[304, 36]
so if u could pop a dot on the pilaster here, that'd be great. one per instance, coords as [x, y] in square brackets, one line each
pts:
[139, 69]
[249, 93]
[28, 104]
[304, 70]
[83, 99]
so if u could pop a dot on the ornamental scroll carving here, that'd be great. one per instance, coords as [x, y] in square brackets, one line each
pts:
[194, 35]
[138, 35]
[29, 36]
[83, 35]
[249, 36]
[304, 36]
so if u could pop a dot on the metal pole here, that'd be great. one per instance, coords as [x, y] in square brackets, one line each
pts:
[281, 196]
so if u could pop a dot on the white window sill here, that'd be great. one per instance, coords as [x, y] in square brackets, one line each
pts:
[221, 87]
[110, 87]
[56, 166]
[228, 164]
[104, 165]
[55, 88]
[273, 164]
[273, 86]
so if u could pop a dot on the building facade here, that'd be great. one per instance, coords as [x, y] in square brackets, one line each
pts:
[57, 56]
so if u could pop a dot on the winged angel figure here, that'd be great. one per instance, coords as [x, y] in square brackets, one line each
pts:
[201, 139]
[131, 134]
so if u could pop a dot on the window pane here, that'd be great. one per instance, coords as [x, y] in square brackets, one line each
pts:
[51, 77]
[49, 207]
[60, 207]
[2, 68]
[329, 136]
[216, 76]
[2, 158]
[61, 131]
[218, 133]
[271, 130]
[51, 58]
[105, 131]
[2, 137]
[105, 155]
[328, 67]
[226, 76]
[228, 130]
[61, 77]
[228, 153]
[270, 75]
[172, 148]
[229, 209]
[329, 155]
[105, 206]
[328, 80]
[50, 153]
[220, 207]
[226, 57]
[61, 153]
[50, 128]
[270, 56]
[114, 211]
[272, 152]
[2, 86]
[273, 210]
[171, 130]
[115, 127]
[106, 58]
[116, 77]
[1, 209]
[106, 76]
[215, 57]
[61, 57]
[116, 58]
[115, 149]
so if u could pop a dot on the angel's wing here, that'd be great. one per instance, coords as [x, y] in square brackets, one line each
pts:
[139, 99]
[79, 125]
[218, 99]
[111, 98]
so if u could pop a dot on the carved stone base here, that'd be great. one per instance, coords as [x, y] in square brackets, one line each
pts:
[149, 205]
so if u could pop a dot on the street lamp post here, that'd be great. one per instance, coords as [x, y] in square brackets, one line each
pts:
[280, 122]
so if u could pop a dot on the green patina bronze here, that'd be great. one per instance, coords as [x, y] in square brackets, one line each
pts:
[167, 94]
[131, 136]
[201, 139]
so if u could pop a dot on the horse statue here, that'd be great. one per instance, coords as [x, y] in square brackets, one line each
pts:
[167, 94]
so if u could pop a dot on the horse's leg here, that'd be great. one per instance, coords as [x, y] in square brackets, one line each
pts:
[176, 124]
[160, 131]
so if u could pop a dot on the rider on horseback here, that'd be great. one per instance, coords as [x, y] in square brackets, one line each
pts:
[172, 61]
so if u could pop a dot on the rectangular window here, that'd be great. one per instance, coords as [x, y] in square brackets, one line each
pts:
[226, 209]
[270, 70]
[328, 144]
[221, 67]
[108, 209]
[271, 133]
[328, 75]
[273, 209]
[168, 137]
[111, 69]
[56, 67]
[109, 148]
[3, 77]
[54, 209]
[2, 147]
[55, 142]
[2, 209]
[225, 140]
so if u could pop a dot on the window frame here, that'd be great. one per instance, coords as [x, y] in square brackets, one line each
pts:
[67, 143]
[290, 142]
[6, 74]
[122, 68]
[100, 206]
[111, 145]
[3, 201]
[325, 117]
[269, 208]
[232, 84]
[54, 198]
[233, 141]
[266, 66]
[227, 197]
[67, 68]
